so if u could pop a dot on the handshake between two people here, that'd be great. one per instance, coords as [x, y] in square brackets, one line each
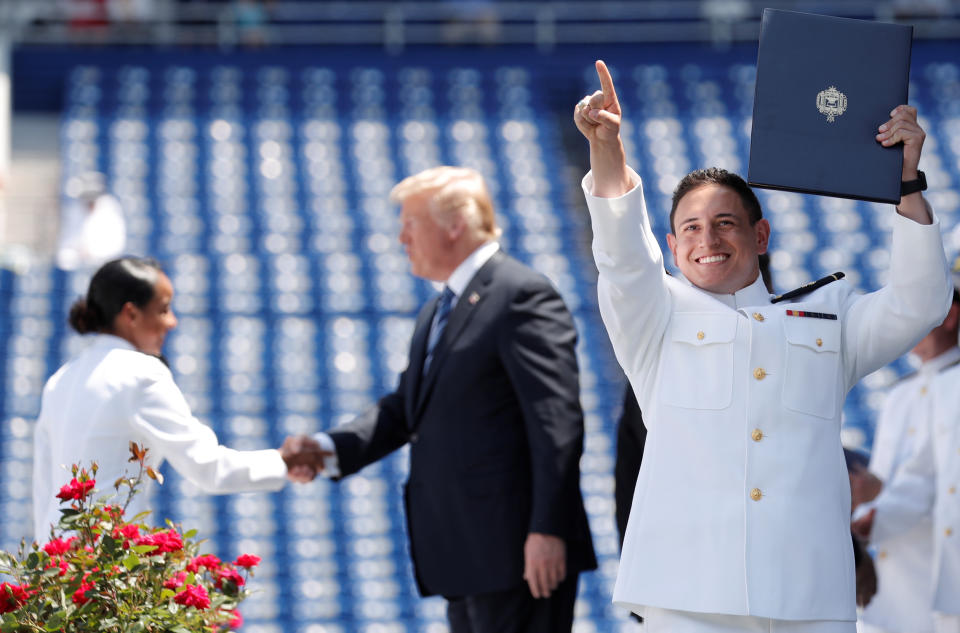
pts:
[304, 457]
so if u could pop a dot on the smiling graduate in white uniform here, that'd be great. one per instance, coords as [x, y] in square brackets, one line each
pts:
[741, 515]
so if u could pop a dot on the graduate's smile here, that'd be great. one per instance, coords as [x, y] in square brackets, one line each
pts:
[715, 246]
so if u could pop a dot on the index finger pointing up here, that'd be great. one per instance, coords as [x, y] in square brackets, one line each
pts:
[606, 84]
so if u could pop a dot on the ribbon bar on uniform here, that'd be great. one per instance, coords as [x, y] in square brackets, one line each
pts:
[812, 315]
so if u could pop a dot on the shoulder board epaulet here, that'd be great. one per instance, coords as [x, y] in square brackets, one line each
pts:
[808, 288]
[912, 374]
[946, 367]
[904, 378]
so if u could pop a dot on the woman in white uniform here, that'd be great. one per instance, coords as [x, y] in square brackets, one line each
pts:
[119, 390]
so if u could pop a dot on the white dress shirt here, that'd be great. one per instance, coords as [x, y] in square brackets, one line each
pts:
[742, 504]
[904, 561]
[112, 394]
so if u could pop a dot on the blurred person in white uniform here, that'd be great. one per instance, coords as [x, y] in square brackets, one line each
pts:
[904, 561]
[923, 492]
[740, 518]
[92, 226]
[119, 390]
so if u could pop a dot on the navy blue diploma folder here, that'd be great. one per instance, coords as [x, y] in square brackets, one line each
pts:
[824, 86]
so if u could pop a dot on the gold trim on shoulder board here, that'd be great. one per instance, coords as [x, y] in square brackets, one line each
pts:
[831, 102]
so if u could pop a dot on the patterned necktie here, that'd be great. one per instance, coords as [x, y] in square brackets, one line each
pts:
[439, 323]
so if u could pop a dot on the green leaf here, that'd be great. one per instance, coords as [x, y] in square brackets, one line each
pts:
[91, 606]
[143, 549]
[179, 629]
[189, 534]
[166, 594]
[55, 621]
[109, 545]
[131, 561]
[33, 560]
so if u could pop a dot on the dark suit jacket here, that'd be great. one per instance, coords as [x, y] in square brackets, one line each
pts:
[496, 434]
[631, 439]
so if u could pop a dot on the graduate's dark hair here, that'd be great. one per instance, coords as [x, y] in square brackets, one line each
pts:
[717, 176]
[126, 279]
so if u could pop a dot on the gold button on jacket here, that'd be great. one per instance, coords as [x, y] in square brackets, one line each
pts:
[757, 435]
[759, 373]
[755, 494]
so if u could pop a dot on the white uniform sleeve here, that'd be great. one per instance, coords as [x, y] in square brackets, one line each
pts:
[630, 265]
[42, 486]
[908, 497]
[192, 448]
[914, 301]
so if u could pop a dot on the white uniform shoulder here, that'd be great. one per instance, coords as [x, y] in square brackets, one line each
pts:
[801, 293]
[137, 364]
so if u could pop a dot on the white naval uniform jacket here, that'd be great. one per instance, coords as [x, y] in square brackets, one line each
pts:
[929, 483]
[904, 561]
[111, 394]
[742, 505]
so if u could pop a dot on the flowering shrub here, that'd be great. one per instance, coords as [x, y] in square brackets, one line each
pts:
[105, 573]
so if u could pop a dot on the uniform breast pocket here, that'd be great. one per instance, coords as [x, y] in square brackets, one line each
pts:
[812, 374]
[697, 362]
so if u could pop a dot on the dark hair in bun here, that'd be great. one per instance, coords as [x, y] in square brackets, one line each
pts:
[126, 279]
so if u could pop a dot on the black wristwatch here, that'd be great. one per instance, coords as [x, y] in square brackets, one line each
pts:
[912, 186]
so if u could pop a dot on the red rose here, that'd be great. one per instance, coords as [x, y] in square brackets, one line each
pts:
[164, 541]
[66, 491]
[80, 597]
[237, 620]
[59, 547]
[193, 596]
[58, 562]
[207, 560]
[76, 489]
[176, 581]
[228, 573]
[247, 560]
[12, 597]
[131, 530]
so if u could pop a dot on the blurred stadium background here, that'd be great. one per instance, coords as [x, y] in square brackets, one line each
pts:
[252, 145]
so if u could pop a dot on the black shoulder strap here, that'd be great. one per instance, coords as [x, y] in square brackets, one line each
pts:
[808, 288]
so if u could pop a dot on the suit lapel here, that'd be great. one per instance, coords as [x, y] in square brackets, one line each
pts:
[466, 307]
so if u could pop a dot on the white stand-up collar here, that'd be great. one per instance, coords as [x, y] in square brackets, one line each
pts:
[755, 294]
